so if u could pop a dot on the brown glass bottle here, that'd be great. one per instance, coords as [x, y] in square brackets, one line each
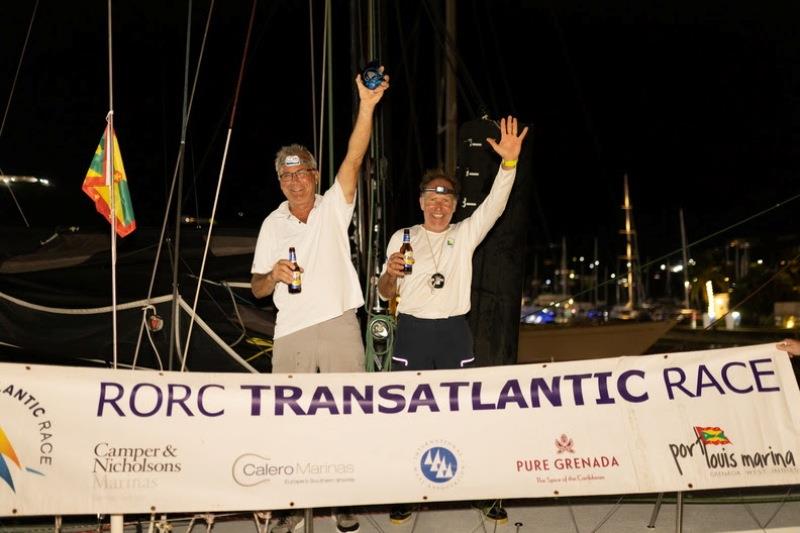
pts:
[297, 283]
[408, 253]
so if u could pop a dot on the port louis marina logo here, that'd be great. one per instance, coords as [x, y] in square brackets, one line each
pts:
[252, 469]
[712, 447]
[23, 452]
[567, 464]
[438, 464]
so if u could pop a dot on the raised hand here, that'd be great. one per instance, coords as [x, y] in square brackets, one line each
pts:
[510, 144]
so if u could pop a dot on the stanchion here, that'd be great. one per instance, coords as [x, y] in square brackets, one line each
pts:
[309, 520]
[678, 512]
[656, 508]
[117, 524]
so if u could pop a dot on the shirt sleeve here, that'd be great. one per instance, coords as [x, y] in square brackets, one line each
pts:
[334, 203]
[262, 258]
[484, 217]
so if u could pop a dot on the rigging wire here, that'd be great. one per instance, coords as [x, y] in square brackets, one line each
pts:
[19, 67]
[175, 174]
[219, 181]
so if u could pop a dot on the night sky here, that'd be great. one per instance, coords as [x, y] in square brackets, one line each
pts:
[699, 103]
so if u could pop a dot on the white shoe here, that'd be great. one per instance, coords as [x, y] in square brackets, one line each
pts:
[346, 522]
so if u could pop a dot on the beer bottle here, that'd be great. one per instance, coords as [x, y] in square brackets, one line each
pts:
[408, 253]
[297, 284]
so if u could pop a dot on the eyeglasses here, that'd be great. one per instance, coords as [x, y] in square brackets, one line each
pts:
[297, 174]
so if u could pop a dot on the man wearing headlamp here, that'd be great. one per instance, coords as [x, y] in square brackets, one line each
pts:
[432, 329]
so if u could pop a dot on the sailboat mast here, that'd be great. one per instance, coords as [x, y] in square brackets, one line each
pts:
[451, 103]
[628, 231]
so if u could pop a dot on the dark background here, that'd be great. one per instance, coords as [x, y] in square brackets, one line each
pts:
[699, 103]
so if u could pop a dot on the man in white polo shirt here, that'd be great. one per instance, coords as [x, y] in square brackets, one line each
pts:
[316, 329]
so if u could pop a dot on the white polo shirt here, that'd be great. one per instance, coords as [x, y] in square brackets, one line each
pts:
[330, 282]
[450, 254]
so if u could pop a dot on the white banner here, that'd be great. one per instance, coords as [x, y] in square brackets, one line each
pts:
[80, 441]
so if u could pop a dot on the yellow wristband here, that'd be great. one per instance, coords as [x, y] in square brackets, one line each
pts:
[510, 164]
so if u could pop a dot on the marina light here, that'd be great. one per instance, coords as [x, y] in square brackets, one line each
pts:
[663, 266]
[8, 180]
[597, 263]
[613, 275]
[760, 261]
[710, 295]
[548, 281]
[677, 268]
[580, 259]
[572, 275]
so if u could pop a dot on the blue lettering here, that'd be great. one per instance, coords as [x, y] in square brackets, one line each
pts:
[255, 397]
[323, 399]
[453, 386]
[364, 401]
[399, 400]
[172, 400]
[727, 381]
[602, 384]
[200, 404]
[701, 383]
[104, 386]
[477, 405]
[511, 393]
[758, 373]
[287, 395]
[622, 386]
[552, 393]
[679, 384]
[134, 396]
[423, 397]
[577, 389]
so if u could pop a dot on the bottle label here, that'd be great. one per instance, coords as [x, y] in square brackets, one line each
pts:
[408, 257]
[296, 280]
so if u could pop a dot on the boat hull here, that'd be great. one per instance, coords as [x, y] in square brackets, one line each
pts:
[538, 344]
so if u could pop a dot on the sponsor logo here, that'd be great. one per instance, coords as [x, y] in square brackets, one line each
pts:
[708, 448]
[438, 464]
[569, 465]
[23, 453]
[113, 459]
[251, 469]
[564, 444]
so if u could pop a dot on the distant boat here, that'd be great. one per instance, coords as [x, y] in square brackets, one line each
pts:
[624, 335]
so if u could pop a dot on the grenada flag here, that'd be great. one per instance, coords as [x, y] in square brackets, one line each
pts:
[95, 186]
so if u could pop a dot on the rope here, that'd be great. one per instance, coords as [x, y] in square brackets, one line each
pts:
[376, 357]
